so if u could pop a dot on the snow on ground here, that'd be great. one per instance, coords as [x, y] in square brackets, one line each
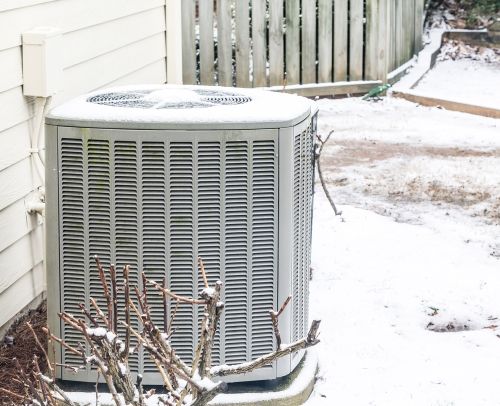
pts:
[406, 281]
[464, 73]
[465, 80]
[417, 164]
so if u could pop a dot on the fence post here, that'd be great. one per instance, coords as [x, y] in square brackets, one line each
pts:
[173, 32]
[419, 25]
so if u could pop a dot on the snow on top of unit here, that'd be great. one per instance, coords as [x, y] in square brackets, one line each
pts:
[178, 105]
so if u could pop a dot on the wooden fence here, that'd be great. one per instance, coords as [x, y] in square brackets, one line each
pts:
[259, 43]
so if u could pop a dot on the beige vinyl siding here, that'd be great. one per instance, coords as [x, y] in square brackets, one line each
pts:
[104, 43]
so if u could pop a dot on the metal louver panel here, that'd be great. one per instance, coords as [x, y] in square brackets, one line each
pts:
[302, 212]
[72, 223]
[99, 213]
[263, 239]
[237, 286]
[127, 220]
[182, 279]
[154, 233]
[209, 218]
[156, 203]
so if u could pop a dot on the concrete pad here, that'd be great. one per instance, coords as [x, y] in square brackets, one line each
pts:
[292, 390]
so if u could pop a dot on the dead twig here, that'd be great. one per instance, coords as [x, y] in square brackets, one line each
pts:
[301, 344]
[274, 318]
[174, 296]
[320, 172]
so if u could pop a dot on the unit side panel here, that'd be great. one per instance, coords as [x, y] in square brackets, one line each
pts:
[303, 168]
[52, 234]
[285, 240]
[158, 200]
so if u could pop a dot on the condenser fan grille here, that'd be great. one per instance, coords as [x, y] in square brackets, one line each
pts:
[169, 99]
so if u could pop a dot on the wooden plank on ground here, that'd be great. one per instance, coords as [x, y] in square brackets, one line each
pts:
[328, 89]
[276, 43]
[325, 45]
[188, 42]
[206, 22]
[371, 47]
[292, 41]
[447, 104]
[309, 41]
[224, 47]
[340, 41]
[259, 42]
[242, 35]
[356, 28]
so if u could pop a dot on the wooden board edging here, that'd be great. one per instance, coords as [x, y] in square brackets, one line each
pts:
[448, 104]
[327, 89]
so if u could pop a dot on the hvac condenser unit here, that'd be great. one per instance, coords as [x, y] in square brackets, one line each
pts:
[155, 176]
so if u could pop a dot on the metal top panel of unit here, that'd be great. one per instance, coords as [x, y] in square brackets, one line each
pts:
[176, 107]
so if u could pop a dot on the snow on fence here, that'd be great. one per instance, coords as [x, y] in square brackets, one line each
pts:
[256, 43]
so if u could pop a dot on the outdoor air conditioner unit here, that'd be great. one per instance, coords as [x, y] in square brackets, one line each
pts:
[155, 176]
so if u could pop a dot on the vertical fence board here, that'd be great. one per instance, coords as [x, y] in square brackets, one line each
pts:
[224, 46]
[408, 30]
[398, 35]
[419, 25]
[371, 40]
[411, 28]
[206, 12]
[292, 41]
[325, 40]
[404, 30]
[392, 35]
[309, 41]
[276, 50]
[242, 35]
[259, 42]
[356, 40]
[383, 40]
[188, 45]
[317, 45]
[340, 42]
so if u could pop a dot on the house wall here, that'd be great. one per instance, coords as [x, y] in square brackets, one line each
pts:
[104, 43]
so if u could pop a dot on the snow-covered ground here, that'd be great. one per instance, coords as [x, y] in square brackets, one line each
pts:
[407, 280]
[466, 80]
[464, 73]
